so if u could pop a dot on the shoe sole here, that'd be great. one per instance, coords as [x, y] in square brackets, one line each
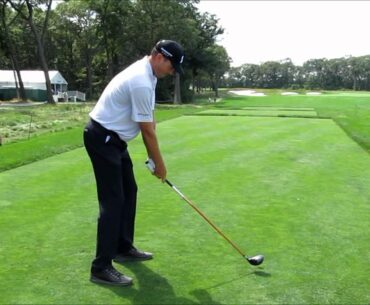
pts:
[100, 281]
[131, 259]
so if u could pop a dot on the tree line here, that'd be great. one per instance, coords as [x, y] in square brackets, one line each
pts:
[326, 74]
[89, 41]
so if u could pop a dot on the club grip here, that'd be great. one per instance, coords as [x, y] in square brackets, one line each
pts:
[150, 165]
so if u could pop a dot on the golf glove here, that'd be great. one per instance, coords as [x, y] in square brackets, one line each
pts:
[150, 165]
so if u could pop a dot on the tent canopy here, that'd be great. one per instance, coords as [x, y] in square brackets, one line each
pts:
[31, 78]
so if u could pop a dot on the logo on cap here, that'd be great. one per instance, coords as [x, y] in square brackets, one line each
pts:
[166, 52]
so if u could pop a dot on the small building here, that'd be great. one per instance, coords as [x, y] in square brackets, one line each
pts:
[34, 83]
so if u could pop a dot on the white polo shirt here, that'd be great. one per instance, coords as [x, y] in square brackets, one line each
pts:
[128, 99]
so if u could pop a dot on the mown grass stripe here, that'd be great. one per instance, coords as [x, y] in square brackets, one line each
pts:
[281, 113]
[263, 108]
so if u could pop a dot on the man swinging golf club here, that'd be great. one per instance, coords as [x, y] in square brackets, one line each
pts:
[125, 109]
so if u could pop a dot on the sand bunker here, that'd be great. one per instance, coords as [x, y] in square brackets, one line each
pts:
[254, 93]
[296, 93]
[247, 93]
[289, 93]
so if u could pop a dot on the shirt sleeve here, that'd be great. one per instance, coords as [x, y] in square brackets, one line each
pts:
[141, 99]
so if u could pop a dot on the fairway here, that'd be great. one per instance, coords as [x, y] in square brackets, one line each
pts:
[293, 189]
[292, 112]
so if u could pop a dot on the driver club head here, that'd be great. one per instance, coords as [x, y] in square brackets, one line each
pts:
[255, 260]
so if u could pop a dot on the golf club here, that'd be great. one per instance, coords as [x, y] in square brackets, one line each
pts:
[253, 260]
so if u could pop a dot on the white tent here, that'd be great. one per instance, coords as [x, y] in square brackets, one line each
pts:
[33, 79]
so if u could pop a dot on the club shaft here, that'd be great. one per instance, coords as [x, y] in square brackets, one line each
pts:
[205, 217]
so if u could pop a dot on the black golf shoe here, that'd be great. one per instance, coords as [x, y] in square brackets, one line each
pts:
[133, 255]
[110, 276]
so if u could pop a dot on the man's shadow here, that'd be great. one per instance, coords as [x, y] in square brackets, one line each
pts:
[152, 288]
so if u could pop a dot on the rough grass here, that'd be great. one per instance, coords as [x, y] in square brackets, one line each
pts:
[25, 122]
[50, 141]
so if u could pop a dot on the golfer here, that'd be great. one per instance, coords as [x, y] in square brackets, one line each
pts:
[125, 109]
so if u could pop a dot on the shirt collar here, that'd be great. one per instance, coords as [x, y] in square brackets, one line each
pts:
[149, 67]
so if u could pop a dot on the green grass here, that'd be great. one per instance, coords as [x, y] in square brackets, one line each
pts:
[294, 189]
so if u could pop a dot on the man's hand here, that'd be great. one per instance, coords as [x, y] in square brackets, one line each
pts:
[160, 171]
[152, 147]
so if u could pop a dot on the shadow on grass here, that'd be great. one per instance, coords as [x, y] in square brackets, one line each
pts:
[262, 273]
[152, 288]
[256, 272]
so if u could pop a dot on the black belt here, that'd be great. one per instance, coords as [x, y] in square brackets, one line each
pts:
[105, 130]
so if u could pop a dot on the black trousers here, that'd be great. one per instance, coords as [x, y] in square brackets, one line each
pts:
[117, 192]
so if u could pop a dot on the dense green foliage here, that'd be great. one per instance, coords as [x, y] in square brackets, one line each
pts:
[327, 74]
[90, 41]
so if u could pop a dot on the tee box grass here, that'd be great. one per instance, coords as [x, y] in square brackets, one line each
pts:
[294, 189]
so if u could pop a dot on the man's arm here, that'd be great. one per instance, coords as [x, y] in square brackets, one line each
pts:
[152, 148]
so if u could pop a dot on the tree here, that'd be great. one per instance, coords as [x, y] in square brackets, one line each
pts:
[110, 16]
[235, 78]
[155, 20]
[26, 11]
[204, 34]
[11, 50]
[354, 67]
[82, 22]
[218, 65]
[177, 94]
[314, 71]
[271, 75]
[334, 74]
[250, 75]
[288, 71]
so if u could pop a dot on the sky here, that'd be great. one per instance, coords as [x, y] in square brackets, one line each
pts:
[260, 31]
